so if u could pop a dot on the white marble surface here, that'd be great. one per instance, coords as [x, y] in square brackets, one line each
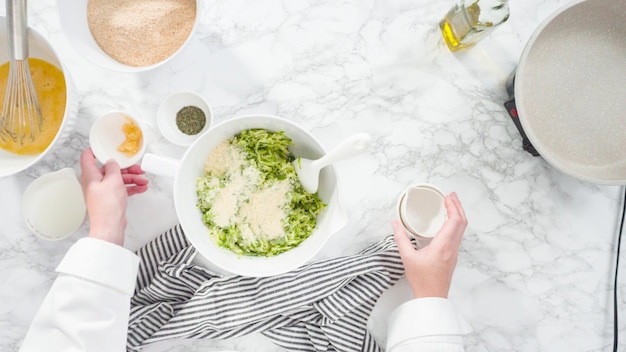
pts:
[536, 265]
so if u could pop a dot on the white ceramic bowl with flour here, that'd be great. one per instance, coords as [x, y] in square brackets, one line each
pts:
[38, 48]
[75, 25]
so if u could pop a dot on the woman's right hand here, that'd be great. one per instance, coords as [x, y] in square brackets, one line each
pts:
[429, 270]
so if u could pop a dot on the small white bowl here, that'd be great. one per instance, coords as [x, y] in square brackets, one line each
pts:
[166, 116]
[422, 211]
[106, 135]
[53, 205]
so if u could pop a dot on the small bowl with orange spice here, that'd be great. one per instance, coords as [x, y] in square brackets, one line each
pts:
[117, 136]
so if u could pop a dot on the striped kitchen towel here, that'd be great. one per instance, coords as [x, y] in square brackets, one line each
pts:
[321, 306]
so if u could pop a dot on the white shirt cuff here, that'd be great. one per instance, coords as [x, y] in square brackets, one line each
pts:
[102, 262]
[424, 317]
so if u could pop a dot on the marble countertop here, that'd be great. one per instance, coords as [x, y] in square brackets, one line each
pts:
[536, 265]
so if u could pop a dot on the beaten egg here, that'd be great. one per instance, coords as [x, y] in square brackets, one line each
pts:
[51, 90]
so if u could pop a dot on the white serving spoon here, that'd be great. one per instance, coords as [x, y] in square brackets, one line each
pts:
[309, 170]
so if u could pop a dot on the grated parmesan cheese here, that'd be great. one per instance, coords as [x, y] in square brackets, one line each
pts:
[223, 158]
[264, 211]
[251, 199]
[258, 212]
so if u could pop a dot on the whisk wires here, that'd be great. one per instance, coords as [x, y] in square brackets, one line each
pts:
[21, 118]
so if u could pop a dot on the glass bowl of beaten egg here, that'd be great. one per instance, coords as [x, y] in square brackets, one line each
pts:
[128, 35]
[57, 100]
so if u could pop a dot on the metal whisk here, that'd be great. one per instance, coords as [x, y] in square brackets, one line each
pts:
[21, 117]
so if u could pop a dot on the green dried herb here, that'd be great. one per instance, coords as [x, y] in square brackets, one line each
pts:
[190, 120]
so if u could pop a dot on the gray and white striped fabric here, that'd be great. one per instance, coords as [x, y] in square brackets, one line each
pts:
[321, 306]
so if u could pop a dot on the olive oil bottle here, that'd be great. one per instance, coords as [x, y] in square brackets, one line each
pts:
[471, 20]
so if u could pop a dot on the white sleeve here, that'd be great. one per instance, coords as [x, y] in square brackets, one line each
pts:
[88, 305]
[426, 325]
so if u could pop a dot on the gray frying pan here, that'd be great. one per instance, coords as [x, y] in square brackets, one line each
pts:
[570, 90]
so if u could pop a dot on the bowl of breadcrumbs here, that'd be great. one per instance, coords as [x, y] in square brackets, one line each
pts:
[128, 35]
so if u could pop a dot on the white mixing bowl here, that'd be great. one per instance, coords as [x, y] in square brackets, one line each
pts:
[187, 171]
[38, 48]
[73, 17]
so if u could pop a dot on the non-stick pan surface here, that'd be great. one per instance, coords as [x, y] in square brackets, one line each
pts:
[570, 90]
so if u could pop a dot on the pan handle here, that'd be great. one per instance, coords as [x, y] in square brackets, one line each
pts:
[160, 165]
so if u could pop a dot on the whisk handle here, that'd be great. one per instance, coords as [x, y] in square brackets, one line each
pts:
[18, 29]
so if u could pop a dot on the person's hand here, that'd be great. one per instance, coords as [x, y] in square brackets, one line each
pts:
[106, 192]
[429, 270]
